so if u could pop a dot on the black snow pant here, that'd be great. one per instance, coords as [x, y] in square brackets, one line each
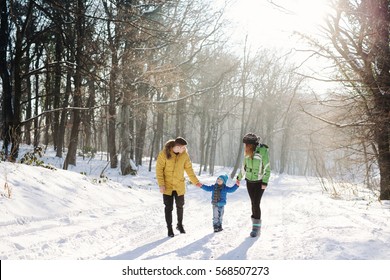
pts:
[255, 193]
[168, 202]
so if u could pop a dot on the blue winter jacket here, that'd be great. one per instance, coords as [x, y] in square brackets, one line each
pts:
[224, 191]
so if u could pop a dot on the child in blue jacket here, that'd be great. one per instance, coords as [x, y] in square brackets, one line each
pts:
[218, 199]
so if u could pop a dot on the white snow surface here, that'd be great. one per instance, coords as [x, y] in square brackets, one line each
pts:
[72, 215]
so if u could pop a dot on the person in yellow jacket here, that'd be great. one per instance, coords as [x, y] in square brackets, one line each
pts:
[172, 161]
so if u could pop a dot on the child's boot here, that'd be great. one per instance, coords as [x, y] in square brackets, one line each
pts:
[256, 225]
[218, 228]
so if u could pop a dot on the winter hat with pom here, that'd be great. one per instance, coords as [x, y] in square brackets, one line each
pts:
[223, 177]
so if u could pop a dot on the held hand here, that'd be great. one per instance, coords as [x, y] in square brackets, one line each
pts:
[238, 183]
[199, 185]
[263, 187]
[162, 189]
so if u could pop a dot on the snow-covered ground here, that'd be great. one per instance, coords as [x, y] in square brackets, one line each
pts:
[57, 214]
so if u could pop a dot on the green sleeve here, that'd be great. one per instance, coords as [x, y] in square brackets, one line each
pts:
[241, 174]
[266, 166]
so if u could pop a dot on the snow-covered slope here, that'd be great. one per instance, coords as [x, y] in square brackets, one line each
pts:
[57, 214]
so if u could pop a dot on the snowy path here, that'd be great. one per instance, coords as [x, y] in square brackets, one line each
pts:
[299, 222]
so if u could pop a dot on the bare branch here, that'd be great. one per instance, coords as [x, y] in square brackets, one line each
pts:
[61, 109]
[360, 123]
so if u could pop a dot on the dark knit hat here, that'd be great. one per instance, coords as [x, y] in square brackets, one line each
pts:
[180, 141]
[251, 138]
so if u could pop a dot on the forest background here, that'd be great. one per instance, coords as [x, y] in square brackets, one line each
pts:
[124, 76]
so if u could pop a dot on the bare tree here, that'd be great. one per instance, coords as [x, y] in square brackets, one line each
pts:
[7, 109]
[359, 34]
[243, 87]
[77, 96]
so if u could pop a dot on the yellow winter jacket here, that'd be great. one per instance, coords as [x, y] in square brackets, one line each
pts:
[170, 172]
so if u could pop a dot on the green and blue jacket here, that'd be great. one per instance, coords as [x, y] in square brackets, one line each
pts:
[256, 168]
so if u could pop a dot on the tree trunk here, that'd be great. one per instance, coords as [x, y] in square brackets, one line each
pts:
[57, 89]
[159, 130]
[126, 167]
[152, 151]
[27, 126]
[125, 134]
[202, 140]
[244, 124]
[89, 116]
[47, 105]
[15, 134]
[113, 40]
[240, 147]
[141, 121]
[214, 128]
[19, 50]
[180, 113]
[77, 102]
[36, 107]
[382, 138]
[213, 147]
[207, 143]
[69, 55]
[7, 110]
[132, 131]
[64, 116]
[112, 115]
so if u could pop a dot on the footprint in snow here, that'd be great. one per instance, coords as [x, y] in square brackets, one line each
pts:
[18, 246]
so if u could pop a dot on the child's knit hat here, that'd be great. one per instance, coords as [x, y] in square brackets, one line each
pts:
[224, 178]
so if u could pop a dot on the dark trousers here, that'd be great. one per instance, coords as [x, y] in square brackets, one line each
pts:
[255, 193]
[168, 202]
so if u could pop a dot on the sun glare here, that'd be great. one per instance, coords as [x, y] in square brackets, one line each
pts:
[272, 22]
[308, 13]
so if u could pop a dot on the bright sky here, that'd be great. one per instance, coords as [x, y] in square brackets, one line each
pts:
[271, 22]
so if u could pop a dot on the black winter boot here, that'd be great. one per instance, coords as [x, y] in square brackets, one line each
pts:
[256, 225]
[180, 228]
[218, 228]
[179, 211]
[170, 232]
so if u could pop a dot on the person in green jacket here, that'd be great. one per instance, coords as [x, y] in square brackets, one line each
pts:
[256, 171]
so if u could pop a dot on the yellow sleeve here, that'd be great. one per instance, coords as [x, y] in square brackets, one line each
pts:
[190, 171]
[160, 166]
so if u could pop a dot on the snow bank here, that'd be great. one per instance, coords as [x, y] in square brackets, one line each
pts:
[57, 214]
